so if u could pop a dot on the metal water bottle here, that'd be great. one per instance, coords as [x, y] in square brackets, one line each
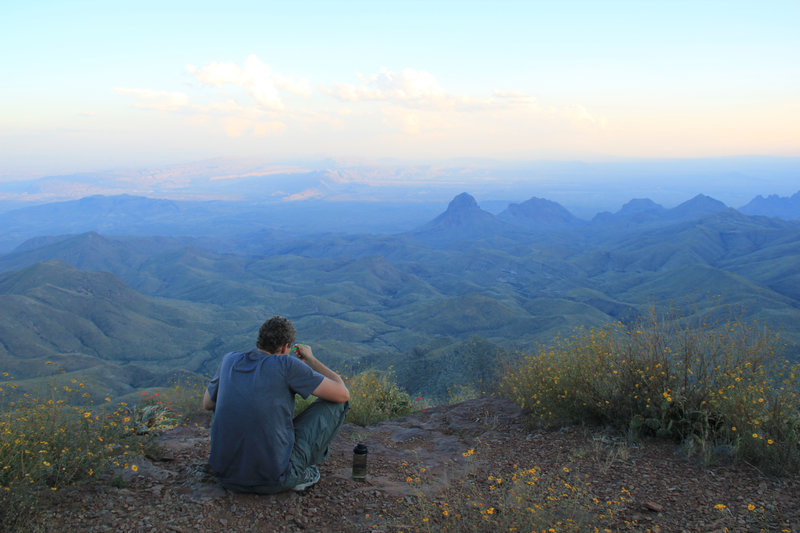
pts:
[360, 462]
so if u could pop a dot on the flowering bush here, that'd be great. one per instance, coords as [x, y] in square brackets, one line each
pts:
[711, 385]
[50, 442]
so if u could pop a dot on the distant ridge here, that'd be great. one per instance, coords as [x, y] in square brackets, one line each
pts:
[218, 220]
[217, 223]
[698, 207]
[644, 212]
[638, 208]
[538, 212]
[463, 220]
[787, 208]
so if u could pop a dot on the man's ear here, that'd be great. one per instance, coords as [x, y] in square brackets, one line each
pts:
[285, 349]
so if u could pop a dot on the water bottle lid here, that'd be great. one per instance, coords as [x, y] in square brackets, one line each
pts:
[360, 448]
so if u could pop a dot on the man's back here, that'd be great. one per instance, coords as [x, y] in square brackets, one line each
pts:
[252, 435]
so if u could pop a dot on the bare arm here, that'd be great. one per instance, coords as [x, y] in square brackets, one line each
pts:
[332, 387]
[208, 403]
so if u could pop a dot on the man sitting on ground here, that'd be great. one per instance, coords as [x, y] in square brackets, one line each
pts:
[257, 445]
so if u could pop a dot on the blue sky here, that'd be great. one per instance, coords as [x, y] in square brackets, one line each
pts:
[87, 85]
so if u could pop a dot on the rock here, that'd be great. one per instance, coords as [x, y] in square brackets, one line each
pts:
[653, 506]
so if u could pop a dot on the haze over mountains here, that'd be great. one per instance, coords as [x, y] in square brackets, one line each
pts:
[583, 187]
[126, 291]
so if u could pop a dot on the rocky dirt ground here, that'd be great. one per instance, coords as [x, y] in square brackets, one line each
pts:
[436, 453]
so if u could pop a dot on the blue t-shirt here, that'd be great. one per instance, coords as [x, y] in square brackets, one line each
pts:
[252, 434]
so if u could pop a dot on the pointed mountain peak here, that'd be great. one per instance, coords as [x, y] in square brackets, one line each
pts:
[463, 219]
[703, 200]
[463, 209]
[462, 201]
[700, 205]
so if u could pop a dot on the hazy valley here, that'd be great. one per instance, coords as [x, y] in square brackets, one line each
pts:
[129, 292]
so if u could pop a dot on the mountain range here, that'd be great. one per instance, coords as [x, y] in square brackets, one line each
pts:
[128, 291]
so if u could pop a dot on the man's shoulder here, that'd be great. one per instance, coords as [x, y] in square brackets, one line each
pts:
[231, 357]
[246, 361]
[240, 355]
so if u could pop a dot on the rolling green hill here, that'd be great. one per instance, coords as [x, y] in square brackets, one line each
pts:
[55, 312]
[439, 305]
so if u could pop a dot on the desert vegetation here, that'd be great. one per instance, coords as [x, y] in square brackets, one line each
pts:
[59, 438]
[374, 396]
[526, 500]
[716, 386]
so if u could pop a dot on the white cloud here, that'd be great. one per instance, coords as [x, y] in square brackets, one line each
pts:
[236, 126]
[256, 77]
[515, 98]
[161, 100]
[416, 121]
[228, 106]
[420, 89]
[267, 128]
[409, 85]
[414, 103]
[412, 107]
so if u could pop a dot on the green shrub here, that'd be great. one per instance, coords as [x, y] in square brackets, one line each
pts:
[711, 385]
[375, 396]
[301, 404]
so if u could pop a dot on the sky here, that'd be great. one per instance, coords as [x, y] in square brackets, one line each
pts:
[87, 85]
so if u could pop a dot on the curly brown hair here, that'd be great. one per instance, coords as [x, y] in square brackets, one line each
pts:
[274, 333]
